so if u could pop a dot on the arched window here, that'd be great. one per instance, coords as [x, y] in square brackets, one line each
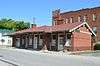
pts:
[94, 29]
[94, 17]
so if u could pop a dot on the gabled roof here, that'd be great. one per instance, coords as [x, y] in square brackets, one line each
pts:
[84, 23]
[63, 27]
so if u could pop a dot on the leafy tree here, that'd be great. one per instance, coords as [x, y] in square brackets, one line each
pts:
[13, 25]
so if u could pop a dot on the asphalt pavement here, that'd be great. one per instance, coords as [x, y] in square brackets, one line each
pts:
[34, 59]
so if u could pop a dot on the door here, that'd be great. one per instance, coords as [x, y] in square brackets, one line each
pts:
[35, 42]
[17, 42]
[60, 42]
[53, 43]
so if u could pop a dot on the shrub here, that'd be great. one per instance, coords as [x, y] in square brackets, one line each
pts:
[97, 46]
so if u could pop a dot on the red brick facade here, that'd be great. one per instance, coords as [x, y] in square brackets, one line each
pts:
[90, 15]
[81, 41]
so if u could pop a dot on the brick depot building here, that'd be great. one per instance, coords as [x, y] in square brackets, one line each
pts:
[89, 15]
[75, 36]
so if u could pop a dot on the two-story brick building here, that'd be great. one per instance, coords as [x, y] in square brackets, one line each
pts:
[89, 15]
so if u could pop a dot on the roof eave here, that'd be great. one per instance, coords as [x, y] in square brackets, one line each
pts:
[80, 26]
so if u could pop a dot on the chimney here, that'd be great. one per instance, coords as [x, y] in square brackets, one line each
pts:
[55, 16]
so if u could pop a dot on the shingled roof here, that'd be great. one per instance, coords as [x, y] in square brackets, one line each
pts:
[63, 27]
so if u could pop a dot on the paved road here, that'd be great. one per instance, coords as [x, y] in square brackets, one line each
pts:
[2, 63]
[29, 59]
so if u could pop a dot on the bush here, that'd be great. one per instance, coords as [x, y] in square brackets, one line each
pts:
[97, 46]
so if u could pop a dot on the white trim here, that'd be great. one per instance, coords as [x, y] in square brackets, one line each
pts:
[81, 25]
[35, 42]
[77, 27]
[86, 32]
[90, 29]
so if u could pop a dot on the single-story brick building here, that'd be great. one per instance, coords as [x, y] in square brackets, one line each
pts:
[72, 37]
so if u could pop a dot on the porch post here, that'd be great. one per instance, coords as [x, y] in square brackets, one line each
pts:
[65, 38]
[72, 42]
[13, 41]
[37, 40]
[27, 40]
[56, 41]
[50, 41]
[33, 41]
[26, 43]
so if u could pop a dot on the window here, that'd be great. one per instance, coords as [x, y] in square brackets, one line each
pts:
[54, 22]
[79, 19]
[67, 20]
[94, 29]
[61, 40]
[71, 20]
[84, 18]
[94, 17]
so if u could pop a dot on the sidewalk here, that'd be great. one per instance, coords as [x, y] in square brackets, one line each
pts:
[42, 52]
[47, 53]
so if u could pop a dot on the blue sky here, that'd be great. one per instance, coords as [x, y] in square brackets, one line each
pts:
[41, 10]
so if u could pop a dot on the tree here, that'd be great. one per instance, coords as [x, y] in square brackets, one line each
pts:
[13, 25]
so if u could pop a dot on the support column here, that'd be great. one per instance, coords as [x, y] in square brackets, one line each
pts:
[38, 41]
[72, 42]
[65, 39]
[25, 41]
[56, 41]
[32, 41]
[13, 41]
[20, 41]
[45, 41]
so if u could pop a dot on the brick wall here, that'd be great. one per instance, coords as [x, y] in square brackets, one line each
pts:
[81, 41]
[88, 13]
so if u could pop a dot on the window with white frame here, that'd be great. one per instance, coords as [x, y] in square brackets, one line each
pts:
[84, 18]
[66, 20]
[94, 17]
[79, 18]
[71, 20]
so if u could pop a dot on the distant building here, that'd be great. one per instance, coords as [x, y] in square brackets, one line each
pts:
[89, 15]
[5, 40]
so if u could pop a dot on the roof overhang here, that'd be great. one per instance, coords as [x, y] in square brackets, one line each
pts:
[84, 23]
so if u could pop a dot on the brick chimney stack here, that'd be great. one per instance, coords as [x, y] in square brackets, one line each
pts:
[33, 25]
[56, 17]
